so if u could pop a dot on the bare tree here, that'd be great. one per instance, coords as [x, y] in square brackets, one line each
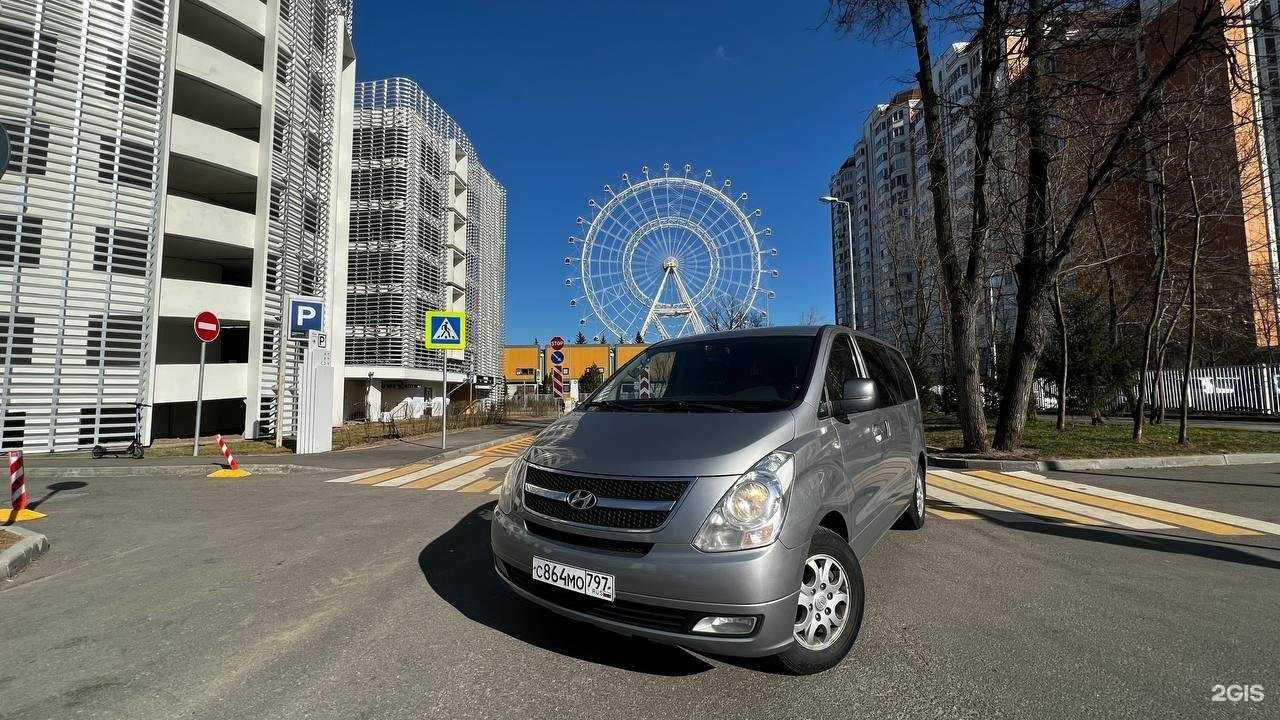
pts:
[810, 317]
[727, 314]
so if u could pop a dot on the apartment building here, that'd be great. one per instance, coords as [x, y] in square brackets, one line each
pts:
[428, 232]
[169, 156]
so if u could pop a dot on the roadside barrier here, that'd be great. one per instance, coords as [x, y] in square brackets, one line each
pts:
[17, 481]
[232, 470]
[226, 453]
[17, 492]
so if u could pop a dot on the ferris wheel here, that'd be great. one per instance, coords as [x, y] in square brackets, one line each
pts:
[668, 255]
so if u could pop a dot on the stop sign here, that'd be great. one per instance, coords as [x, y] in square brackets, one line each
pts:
[207, 327]
[557, 343]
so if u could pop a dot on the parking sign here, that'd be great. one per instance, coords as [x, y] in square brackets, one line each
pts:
[445, 330]
[305, 313]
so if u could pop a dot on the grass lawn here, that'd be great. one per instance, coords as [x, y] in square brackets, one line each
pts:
[1041, 440]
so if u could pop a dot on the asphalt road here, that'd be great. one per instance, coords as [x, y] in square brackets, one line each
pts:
[289, 597]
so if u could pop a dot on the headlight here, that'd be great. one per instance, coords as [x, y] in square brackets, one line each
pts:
[750, 515]
[512, 484]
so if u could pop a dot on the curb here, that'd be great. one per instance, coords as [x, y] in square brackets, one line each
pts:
[459, 452]
[1166, 461]
[48, 473]
[16, 557]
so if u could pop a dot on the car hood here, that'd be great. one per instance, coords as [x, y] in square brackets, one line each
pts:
[661, 444]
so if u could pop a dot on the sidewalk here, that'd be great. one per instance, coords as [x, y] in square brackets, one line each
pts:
[392, 452]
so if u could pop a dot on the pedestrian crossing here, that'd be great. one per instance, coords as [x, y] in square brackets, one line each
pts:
[973, 494]
[481, 472]
[952, 495]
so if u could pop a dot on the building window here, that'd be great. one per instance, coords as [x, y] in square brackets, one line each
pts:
[273, 272]
[313, 152]
[310, 214]
[111, 421]
[15, 427]
[142, 81]
[16, 46]
[134, 166]
[125, 253]
[315, 93]
[151, 11]
[275, 205]
[307, 278]
[114, 341]
[16, 346]
[319, 29]
[28, 147]
[20, 241]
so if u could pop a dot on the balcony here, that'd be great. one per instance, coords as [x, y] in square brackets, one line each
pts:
[213, 165]
[186, 298]
[177, 383]
[209, 65]
[199, 220]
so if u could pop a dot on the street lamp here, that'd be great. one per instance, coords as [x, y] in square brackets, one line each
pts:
[848, 217]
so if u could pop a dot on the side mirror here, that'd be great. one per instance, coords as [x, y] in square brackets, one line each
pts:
[859, 396]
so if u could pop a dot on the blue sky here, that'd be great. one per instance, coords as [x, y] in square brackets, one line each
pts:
[560, 98]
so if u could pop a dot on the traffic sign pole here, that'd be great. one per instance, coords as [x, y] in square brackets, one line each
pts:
[207, 328]
[444, 400]
[195, 443]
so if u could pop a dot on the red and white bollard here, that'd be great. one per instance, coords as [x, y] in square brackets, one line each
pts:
[226, 453]
[17, 481]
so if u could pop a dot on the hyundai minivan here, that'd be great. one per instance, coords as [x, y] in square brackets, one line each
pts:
[717, 492]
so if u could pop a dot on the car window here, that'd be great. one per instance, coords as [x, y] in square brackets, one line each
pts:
[840, 367]
[881, 370]
[906, 381]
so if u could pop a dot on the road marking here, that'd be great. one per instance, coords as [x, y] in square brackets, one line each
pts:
[480, 486]
[1134, 508]
[447, 475]
[509, 449]
[360, 476]
[472, 476]
[995, 482]
[1236, 520]
[426, 471]
[378, 479]
[1010, 502]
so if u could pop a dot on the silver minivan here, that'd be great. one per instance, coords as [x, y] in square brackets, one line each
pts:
[717, 492]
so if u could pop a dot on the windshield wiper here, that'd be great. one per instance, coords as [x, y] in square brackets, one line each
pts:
[697, 405]
[616, 405]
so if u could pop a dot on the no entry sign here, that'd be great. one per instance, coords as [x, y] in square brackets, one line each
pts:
[207, 327]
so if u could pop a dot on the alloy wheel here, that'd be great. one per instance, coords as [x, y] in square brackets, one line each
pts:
[823, 606]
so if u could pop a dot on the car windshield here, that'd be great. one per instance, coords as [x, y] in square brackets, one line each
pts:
[731, 374]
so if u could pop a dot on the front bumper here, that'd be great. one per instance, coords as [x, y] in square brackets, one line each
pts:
[661, 595]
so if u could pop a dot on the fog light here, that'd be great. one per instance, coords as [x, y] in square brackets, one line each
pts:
[725, 625]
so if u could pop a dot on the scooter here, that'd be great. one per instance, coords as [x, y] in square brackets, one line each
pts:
[135, 447]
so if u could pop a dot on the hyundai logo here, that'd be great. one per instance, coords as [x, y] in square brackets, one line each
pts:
[581, 500]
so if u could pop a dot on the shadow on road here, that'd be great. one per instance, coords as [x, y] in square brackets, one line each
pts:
[1274, 485]
[1223, 550]
[55, 488]
[459, 568]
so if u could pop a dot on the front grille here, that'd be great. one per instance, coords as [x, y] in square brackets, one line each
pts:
[624, 547]
[598, 516]
[640, 615]
[619, 488]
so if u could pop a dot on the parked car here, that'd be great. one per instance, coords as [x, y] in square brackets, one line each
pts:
[718, 492]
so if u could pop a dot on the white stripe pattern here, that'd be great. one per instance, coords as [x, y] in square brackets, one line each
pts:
[1089, 511]
[360, 476]
[1259, 525]
[425, 472]
[470, 477]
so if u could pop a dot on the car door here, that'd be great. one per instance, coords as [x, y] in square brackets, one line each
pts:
[859, 436]
[895, 423]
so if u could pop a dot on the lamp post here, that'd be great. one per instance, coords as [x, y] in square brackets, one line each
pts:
[848, 218]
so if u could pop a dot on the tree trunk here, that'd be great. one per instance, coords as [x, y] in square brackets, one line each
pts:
[960, 282]
[1191, 307]
[1148, 334]
[1034, 275]
[1062, 341]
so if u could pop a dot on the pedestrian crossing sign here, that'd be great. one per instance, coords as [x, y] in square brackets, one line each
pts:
[445, 330]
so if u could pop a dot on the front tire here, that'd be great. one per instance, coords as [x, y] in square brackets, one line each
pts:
[829, 611]
[913, 518]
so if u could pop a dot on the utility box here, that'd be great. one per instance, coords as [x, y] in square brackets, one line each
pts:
[315, 402]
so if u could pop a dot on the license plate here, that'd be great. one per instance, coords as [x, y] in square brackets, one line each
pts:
[587, 582]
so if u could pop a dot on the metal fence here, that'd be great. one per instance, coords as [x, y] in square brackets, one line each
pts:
[1236, 388]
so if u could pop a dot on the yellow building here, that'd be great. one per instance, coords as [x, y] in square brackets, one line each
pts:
[530, 363]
